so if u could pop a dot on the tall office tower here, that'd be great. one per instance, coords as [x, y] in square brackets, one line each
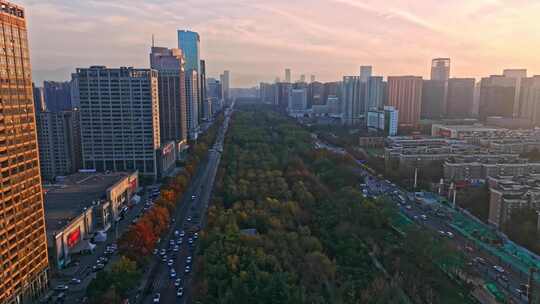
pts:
[365, 72]
[169, 63]
[119, 116]
[213, 87]
[189, 42]
[57, 95]
[282, 95]
[312, 78]
[517, 74]
[433, 99]
[530, 99]
[297, 101]
[226, 85]
[334, 105]
[440, 69]
[202, 94]
[332, 89]
[405, 94]
[316, 94]
[192, 99]
[39, 99]
[374, 93]
[59, 141]
[460, 97]
[267, 93]
[302, 78]
[23, 244]
[288, 75]
[497, 96]
[351, 100]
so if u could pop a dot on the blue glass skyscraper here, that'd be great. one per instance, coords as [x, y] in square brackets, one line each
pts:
[188, 42]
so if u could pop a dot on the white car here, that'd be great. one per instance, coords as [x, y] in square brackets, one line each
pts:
[498, 268]
[450, 234]
[157, 298]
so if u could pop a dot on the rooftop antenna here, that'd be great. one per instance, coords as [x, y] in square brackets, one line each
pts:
[152, 40]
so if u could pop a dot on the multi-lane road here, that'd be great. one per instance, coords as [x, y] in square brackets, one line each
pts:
[176, 252]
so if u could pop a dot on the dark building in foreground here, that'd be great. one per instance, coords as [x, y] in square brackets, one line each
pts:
[119, 119]
[173, 123]
[57, 95]
[497, 96]
[433, 99]
[460, 97]
[59, 143]
[23, 243]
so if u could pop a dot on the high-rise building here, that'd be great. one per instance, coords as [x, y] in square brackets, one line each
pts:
[351, 100]
[332, 89]
[405, 94]
[59, 141]
[297, 101]
[497, 96]
[433, 99]
[440, 69]
[460, 97]
[288, 75]
[202, 94]
[23, 243]
[267, 93]
[192, 102]
[385, 120]
[374, 93]
[334, 105]
[302, 78]
[189, 43]
[365, 72]
[57, 95]
[316, 94]
[170, 65]
[119, 114]
[226, 84]
[517, 74]
[213, 87]
[282, 95]
[39, 99]
[312, 78]
[530, 99]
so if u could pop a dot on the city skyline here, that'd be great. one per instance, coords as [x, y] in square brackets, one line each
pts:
[237, 36]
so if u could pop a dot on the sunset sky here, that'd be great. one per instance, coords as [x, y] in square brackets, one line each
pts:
[257, 40]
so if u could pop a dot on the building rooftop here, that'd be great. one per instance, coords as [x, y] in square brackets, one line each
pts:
[66, 200]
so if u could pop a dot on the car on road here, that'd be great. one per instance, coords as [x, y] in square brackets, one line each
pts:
[189, 218]
[188, 260]
[442, 233]
[187, 269]
[75, 281]
[450, 234]
[155, 251]
[180, 292]
[424, 217]
[409, 207]
[182, 233]
[61, 287]
[157, 298]
[195, 236]
[498, 268]
[98, 267]
[172, 274]
[170, 262]
[479, 260]
[176, 248]
[178, 282]
[193, 197]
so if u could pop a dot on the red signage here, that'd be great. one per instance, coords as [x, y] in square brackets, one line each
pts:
[74, 237]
